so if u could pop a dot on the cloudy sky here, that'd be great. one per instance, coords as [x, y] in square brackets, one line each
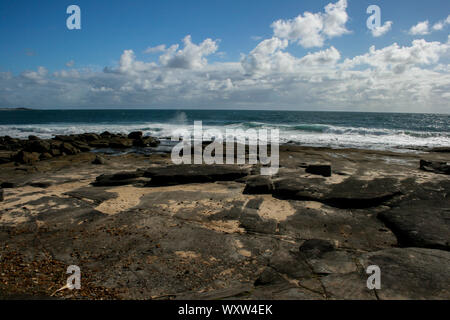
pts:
[234, 54]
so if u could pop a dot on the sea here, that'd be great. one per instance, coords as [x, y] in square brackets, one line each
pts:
[380, 131]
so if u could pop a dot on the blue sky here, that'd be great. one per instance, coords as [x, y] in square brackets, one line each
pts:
[33, 35]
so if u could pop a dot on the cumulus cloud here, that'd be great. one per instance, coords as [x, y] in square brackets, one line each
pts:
[441, 24]
[422, 28]
[382, 30]
[405, 78]
[312, 29]
[191, 56]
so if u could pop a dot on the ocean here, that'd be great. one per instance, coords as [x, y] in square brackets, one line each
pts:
[381, 131]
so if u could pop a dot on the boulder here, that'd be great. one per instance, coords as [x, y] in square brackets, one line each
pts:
[99, 144]
[39, 146]
[83, 147]
[135, 135]
[319, 169]
[68, 149]
[99, 160]
[258, 185]
[117, 179]
[420, 223]
[33, 138]
[435, 167]
[26, 157]
[146, 142]
[45, 156]
[184, 174]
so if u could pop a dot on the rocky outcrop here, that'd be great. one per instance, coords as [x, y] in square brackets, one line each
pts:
[319, 169]
[435, 167]
[420, 223]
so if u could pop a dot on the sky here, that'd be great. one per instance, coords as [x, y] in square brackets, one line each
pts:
[235, 54]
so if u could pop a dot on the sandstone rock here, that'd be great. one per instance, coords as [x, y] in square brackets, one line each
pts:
[315, 248]
[435, 166]
[424, 224]
[319, 169]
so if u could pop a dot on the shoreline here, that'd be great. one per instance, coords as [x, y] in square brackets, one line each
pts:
[141, 228]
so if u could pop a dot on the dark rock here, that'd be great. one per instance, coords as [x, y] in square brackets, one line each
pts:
[55, 152]
[118, 179]
[39, 146]
[1, 194]
[252, 222]
[45, 156]
[98, 195]
[8, 185]
[315, 248]
[99, 160]
[62, 138]
[69, 149]
[26, 157]
[89, 137]
[83, 147]
[351, 193]
[105, 134]
[290, 264]
[435, 167]
[424, 224]
[411, 273]
[146, 142]
[33, 138]
[184, 174]
[135, 135]
[319, 169]
[120, 143]
[99, 144]
[440, 149]
[40, 184]
[258, 185]
[269, 277]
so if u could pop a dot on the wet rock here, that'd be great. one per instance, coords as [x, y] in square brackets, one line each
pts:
[120, 143]
[258, 185]
[83, 147]
[1, 194]
[424, 224]
[184, 174]
[441, 149]
[99, 160]
[411, 273]
[33, 138]
[63, 138]
[39, 146]
[99, 144]
[69, 149]
[435, 167]
[89, 137]
[319, 169]
[135, 135]
[105, 134]
[26, 157]
[146, 142]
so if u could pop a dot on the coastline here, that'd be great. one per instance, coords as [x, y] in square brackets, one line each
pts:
[140, 228]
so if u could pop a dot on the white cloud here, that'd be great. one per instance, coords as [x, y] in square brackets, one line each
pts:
[422, 28]
[70, 63]
[312, 29]
[441, 24]
[382, 30]
[191, 56]
[160, 48]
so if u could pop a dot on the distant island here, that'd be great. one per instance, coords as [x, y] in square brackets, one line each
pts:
[15, 109]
